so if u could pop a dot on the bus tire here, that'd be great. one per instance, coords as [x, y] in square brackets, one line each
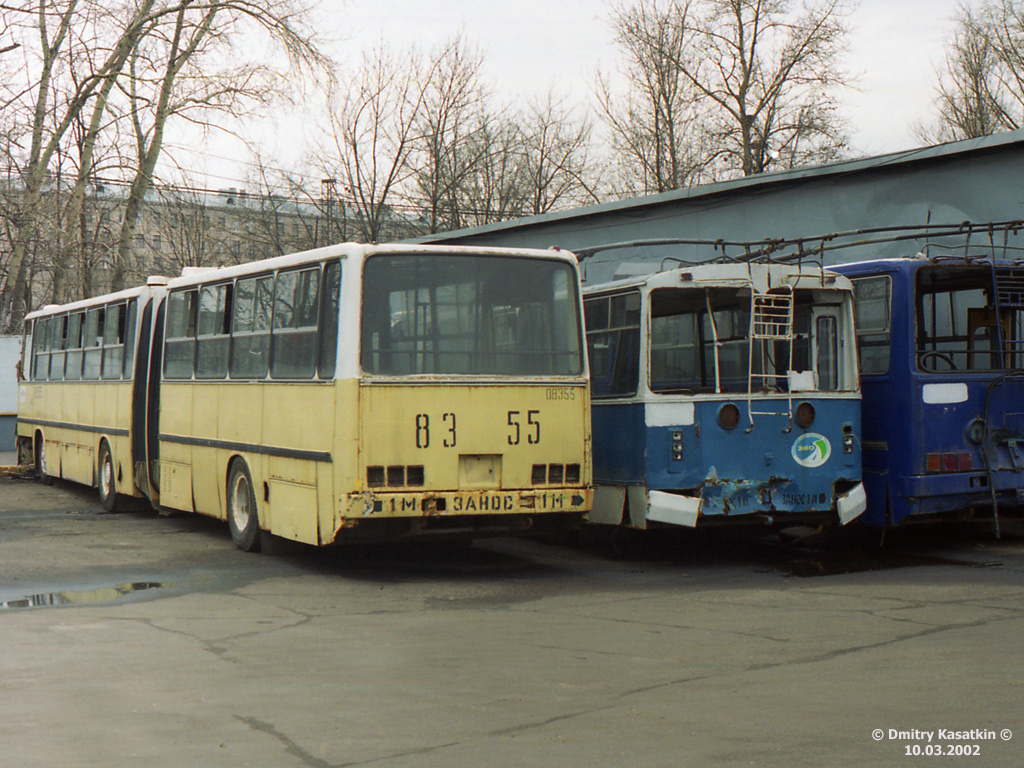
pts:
[243, 516]
[40, 452]
[107, 479]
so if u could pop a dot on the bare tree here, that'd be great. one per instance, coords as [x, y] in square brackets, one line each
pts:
[770, 74]
[655, 128]
[754, 77]
[91, 64]
[289, 215]
[556, 157]
[174, 74]
[48, 112]
[444, 151]
[981, 90]
[373, 126]
[80, 249]
[186, 232]
[8, 42]
[495, 189]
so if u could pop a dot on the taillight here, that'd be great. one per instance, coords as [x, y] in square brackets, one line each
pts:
[847, 439]
[949, 462]
[394, 476]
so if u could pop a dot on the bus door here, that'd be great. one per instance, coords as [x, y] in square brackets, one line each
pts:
[826, 360]
[140, 399]
[153, 402]
[145, 401]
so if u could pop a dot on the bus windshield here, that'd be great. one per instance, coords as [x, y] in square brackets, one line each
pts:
[477, 315]
[700, 343]
[957, 324]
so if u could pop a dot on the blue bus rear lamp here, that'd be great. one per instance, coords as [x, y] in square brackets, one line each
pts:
[949, 462]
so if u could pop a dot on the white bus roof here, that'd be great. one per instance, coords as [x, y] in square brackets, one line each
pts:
[200, 275]
[761, 275]
[355, 251]
[56, 309]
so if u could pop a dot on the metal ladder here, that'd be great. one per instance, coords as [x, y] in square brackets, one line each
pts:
[771, 321]
[1008, 280]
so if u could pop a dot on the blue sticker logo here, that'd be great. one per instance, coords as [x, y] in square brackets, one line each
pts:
[811, 450]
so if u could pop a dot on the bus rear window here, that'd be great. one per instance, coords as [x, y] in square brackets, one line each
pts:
[959, 327]
[613, 343]
[470, 315]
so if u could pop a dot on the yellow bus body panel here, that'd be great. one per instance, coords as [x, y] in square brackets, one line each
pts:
[274, 427]
[74, 418]
[477, 447]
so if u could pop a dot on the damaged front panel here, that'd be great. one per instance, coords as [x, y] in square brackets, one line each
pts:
[725, 393]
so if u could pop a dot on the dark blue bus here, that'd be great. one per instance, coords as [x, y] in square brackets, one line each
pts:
[724, 393]
[941, 344]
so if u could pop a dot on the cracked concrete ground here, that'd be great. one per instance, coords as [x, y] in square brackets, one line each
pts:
[169, 647]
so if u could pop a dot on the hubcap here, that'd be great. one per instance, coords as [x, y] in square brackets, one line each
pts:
[240, 503]
[107, 475]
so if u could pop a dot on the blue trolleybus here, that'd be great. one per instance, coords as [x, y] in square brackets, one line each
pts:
[725, 392]
[941, 344]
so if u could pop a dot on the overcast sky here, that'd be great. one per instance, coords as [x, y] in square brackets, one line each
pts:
[531, 46]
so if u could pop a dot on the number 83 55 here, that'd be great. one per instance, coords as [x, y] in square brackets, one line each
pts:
[520, 427]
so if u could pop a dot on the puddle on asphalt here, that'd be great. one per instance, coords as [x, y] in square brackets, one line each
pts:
[82, 597]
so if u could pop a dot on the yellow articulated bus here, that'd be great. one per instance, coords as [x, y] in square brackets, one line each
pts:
[75, 400]
[351, 393]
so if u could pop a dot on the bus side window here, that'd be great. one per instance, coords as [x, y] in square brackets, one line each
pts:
[91, 338]
[250, 328]
[674, 355]
[329, 320]
[296, 314]
[214, 325]
[179, 350]
[25, 361]
[827, 365]
[613, 339]
[73, 365]
[58, 340]
[113, 341]
[41, 349]
[129, 340]
[872, 298]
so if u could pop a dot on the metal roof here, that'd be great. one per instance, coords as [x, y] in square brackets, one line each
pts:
[975, 180]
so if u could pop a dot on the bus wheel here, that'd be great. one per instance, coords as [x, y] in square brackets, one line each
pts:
[107, 483]
[243, 519]
[44, 478]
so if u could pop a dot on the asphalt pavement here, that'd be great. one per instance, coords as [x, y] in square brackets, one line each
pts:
[134, 639]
